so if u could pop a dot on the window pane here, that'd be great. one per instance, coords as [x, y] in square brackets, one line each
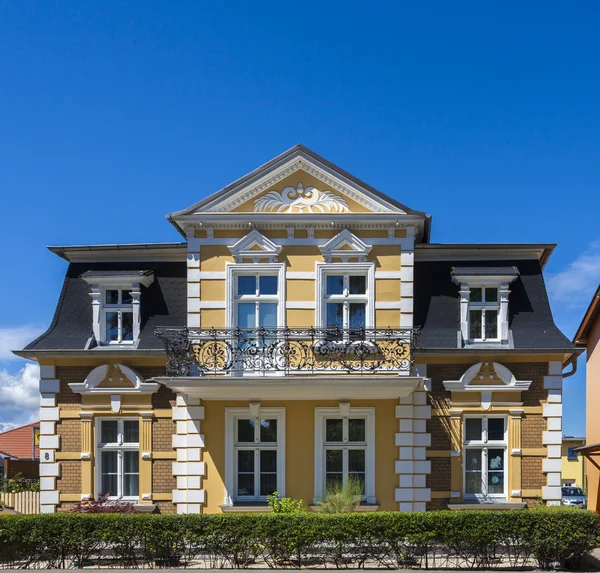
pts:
[473, 483]
[356, 430]
[268, 430]
[491, 295]
[495, 428]
[358, 285]
[245, 431]
[333, 481]
[127, 325]
[476, 295]
[491, 324]
[268, 461]
[356, 461]
[109, 431]
[473, 429]
[246, 315]
[131, 429]
[246, 285]
[112, 326]
[108, 479]
[335, 315]
[267, 315]
[131, 470]
[475, 324]
[496, 482]
[360, 478]
[268, 484]
[358, 315]
[473, 459]
[246, 461]
[335, 284]
[245, 484]
[267, 285]
[334, 430]
[333, 461]
[126, 297]
[496, 459]
[112, 297]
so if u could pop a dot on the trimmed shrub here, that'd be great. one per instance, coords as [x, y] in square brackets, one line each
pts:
[545, 538]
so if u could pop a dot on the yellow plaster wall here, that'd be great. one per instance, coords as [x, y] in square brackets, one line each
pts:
[573, 469]
[300, 290]
[387, 290]
[300, 449]
[212, 318]
[212, 290]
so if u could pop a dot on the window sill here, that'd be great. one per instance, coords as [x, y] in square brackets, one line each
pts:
[363, 507]
[246, 508]
[486, 506]
[144, 507]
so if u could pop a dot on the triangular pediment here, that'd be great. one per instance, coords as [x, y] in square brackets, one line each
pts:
[255, 247]
[345, 246]
[298, 182]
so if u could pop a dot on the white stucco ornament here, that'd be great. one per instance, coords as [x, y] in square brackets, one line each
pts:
[309, 200]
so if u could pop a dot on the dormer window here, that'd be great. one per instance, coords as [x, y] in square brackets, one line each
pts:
[116, 301]
[484, 293]
[117, 311]
[484, 310]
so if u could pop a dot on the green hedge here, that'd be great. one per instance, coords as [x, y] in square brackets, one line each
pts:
[541, 537]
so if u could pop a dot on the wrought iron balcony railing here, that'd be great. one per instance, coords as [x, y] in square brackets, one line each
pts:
[288, 351]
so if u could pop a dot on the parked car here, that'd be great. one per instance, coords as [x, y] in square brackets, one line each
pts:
[574, 497]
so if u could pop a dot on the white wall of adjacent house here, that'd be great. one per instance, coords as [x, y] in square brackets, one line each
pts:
[552, 437]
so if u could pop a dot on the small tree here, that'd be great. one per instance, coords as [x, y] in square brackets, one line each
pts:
[342, 498]
[284, 504]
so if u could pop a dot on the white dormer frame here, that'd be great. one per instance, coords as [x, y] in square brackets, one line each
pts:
[99, 285]
[332, 249]
[465, 383]
[243, 249]
[466, 283]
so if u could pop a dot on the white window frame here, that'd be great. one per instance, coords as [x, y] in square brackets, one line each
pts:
[254, 269]
[480, 308]
[341, 412]
[326, 269]
[119, 308]
[231, 417]
[120, 446]
[484, 444]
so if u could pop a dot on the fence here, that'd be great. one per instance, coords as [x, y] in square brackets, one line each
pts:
[24, 502]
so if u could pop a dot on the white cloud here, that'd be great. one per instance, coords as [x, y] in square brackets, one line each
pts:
[15, 338]
[19, 396]
[574, 286]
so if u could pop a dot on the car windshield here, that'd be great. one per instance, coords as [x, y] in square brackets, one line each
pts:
[569, 491]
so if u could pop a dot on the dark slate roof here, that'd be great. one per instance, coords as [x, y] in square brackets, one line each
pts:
[100, 274]
[163, 303]
[530, 318]
[484, 271]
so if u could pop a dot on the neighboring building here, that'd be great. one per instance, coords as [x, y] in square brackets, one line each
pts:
[588, 336]
[573, 466]
[19, 443]
[313, 334]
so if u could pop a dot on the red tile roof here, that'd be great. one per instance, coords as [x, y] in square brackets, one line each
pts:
[19, 441]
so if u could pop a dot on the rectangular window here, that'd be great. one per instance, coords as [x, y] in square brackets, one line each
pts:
[345, 450]
[345, 300]
[484, 309]
[256, 300]
[118, 316]
[257, 450]
[485, 447]
[118, 457]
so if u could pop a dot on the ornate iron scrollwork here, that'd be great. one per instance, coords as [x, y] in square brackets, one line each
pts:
[288, 350]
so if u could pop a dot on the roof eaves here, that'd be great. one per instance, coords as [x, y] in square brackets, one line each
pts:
[589, 320]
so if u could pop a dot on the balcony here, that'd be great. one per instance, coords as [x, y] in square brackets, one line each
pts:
[288, 351]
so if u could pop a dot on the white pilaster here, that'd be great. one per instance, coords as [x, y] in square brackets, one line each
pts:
[49, 439]
[552, 437]
[193, 278]
[188, 443]
[407, 269]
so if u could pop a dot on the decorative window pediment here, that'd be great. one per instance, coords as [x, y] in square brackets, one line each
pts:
[255, 247]
[345, 246]
[485, 378]
[115, 379]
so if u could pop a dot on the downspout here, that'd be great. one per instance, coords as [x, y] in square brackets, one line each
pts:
[573, 362]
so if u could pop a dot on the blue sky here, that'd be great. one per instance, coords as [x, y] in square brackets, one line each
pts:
[112, 114]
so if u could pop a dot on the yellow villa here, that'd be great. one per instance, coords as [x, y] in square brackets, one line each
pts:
[304, 332]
